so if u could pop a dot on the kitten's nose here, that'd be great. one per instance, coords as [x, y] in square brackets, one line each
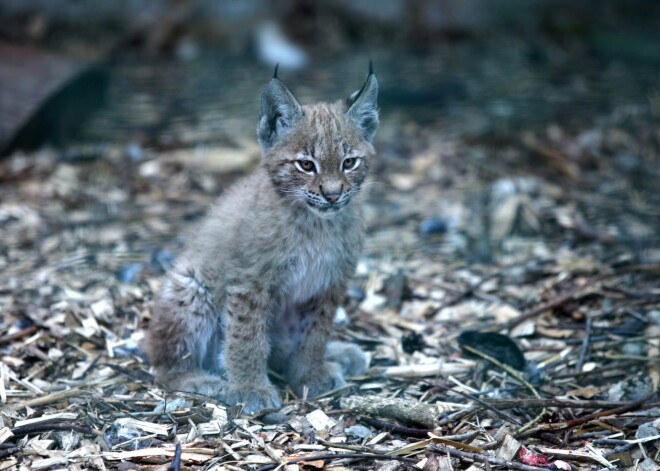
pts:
[332, 195]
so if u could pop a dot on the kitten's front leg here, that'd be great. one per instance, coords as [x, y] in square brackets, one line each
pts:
[308, 368]
[246, 354]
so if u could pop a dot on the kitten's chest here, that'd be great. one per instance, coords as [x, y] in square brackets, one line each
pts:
[316, 263]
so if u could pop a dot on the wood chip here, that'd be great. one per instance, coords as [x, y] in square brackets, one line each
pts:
[149, 427]
[47, 418]
[5, 434]
[186, 456]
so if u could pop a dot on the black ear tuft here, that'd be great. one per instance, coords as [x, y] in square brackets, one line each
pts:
[278, 112]
[277, 66]
[363, 104]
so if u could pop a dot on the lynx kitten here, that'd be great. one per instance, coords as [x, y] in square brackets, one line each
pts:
[260, 279]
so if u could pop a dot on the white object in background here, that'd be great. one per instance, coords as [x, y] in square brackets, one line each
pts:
[273, 47]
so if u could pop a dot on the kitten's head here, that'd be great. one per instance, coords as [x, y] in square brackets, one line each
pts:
[317, 155]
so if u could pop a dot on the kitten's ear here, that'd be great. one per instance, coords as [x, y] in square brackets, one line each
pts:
[278, 112]
[363, 105]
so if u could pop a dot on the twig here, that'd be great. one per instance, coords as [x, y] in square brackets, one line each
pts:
[342, 456]
[49, 398]
[39, 428]
[399, 429]
[585, 345]
[4, 453]
[483, 458]
[610, 441]
[584, 436]
[564, 403]
[506, 368]
[540, 309]
[457, 297]
[490, 407]
[458, 415]
[620, 449]
[516, 375]
[558, 301]
[20, 334]
[176, 461]
[579, 421]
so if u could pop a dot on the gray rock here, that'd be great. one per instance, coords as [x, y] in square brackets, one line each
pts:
[654, 316]
[169, 406]
[358, 431]
[648, 465]
[647, 430]
[433, 226]
[634, 349]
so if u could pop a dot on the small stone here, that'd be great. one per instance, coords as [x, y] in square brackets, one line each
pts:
[320, 421]
[102, 309]
[128, 348]
[55, 354]
[161, 260]
[341, 316]
[654, 316]
[648, 465]
[68, 440]
[128, 273]
[169, 406]
[647, 430]
[126, 436]
[633, 349]
[355, 291]
[135, 152]
[433, 226]
[358, 431]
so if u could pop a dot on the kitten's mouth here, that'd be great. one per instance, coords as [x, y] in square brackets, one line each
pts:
[327, 209]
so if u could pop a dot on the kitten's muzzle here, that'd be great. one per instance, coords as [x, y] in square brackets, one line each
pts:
[333, 195]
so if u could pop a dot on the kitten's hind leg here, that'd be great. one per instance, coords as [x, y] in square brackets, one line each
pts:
[184, 340]
[348, 356]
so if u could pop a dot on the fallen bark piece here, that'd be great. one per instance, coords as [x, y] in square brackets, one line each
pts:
[46, 418]
[193, 456]
[5, 434]
[509, 448]
[47, 399]
[410, 412]
[320, 421]
[46, 463]
[430, 369]
[149, 427]
[648, 465]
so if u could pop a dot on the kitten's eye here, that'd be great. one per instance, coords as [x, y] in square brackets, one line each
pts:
[306, 166]
[350, 163]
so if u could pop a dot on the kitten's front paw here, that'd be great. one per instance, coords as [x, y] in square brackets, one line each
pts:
[324, 379]
[254, 399]
[350, 358]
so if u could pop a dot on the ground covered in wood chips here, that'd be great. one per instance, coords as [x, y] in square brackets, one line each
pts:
[546, 235]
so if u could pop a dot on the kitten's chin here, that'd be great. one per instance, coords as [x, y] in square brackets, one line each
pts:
[325, 212]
